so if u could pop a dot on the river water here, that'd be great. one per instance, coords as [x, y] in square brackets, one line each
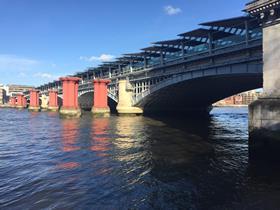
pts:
[131, 163]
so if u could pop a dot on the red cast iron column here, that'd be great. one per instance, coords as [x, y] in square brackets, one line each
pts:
[70, 105]
[20, 101]
[100, 97]
[13, 102]
[34, 100]
[53, 104]
[24, 102]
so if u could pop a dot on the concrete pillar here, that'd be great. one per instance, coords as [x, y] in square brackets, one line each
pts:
[24, 102]
[12, 102]
[264, 114]
[34, 101]
[70, 107]
[53, 102]
[20, 102]
[44, 102]
[125, 106]
[100, 97]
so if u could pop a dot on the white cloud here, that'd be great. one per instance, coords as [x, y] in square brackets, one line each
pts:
[101, 58]
[22, 74]
[44, 75]
[15, 69]
[53, 65]
[170, 10]
[15, 63]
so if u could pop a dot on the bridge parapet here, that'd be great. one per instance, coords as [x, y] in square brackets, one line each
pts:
[200, 67]
[216, 37]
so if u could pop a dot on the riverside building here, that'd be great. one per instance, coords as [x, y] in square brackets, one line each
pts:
[240, 99]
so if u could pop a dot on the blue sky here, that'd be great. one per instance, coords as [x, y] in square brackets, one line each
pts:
[44, 39]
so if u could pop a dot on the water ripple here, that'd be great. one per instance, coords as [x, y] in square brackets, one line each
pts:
[129, 163]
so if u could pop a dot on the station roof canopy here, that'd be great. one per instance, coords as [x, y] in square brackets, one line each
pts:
[143, 54]
[114, 63]
[197, 33]
[91, 69]
[161, 48]
[123, 61]
[204, 33]
[176, 42]
[78, 74]
[236, 22]
[131, 58]
[173, 42]
[106, 65]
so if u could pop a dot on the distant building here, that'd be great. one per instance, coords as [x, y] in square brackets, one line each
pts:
[6, 91]
[240, 99]
[3, 94]
[13, 90]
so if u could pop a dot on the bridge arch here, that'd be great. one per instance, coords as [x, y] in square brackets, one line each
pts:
[59, 100]
[199, 89]
[85, 100]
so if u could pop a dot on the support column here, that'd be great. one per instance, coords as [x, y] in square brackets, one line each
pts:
[100, 97]
[12, 102]
[264, 114]
[70, 107]
[125, 106]
[34, 101]
[44, 102]
[53, 102]
[24, 102]
[20, 102]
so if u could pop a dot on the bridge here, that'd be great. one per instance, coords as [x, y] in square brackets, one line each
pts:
[198, 68]
[185, 75]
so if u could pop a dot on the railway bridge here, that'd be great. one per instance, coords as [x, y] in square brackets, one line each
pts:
[188, 73]
[185, 75]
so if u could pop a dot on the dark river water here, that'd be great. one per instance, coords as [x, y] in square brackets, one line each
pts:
[131, 163]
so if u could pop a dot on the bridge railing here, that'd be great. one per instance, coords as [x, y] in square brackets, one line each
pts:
[177, 73]
[199, 55]
[203, 49]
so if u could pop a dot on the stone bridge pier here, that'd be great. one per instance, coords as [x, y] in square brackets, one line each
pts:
[125, 105]
[44, 102]
[264, 114]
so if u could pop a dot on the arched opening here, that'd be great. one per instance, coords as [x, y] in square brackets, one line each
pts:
[59, 101]
[197, 95]
[240, 99]
[86, 102]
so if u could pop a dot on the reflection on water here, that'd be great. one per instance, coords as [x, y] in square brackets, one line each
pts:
[99, 136]
[70, 132]
[131, 163]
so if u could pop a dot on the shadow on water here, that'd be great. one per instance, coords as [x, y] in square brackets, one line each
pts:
[221, 176]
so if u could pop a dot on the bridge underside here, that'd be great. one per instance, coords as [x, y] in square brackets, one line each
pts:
[197, 95]
[86, 102]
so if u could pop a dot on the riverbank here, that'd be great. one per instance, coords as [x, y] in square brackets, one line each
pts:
[5, 106]
[230, 106]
